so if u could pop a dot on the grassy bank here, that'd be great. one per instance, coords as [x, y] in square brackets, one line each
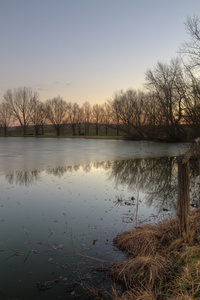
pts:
[160, 264]
[97, 137]
[49, 131]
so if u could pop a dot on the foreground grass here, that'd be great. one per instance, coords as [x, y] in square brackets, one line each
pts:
[160, 264]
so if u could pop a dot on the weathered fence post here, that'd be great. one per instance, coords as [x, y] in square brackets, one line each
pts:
[183, 207]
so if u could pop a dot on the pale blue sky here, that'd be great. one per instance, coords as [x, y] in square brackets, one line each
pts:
[85, 50]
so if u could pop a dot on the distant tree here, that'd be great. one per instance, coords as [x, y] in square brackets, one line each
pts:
[114, 108]
[97, 115]
[106, 116]
[166, 84]
[87, 114]
[19, 103]
[56, 112]
[73, 114]
[5, 116]
[38, 115]
[80, 119]
[129, 110]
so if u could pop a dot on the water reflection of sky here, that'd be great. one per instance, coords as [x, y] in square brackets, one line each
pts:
[40, 154]
[75, 196]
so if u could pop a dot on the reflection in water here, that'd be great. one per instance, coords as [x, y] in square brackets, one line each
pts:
[25, 178]
[156, 178]
[53, 221]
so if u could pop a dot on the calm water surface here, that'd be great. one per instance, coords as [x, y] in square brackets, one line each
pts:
[63, 201]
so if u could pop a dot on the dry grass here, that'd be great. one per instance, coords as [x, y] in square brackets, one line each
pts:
[160, 264]
[143, 270]
[135, 294]
[149, 239]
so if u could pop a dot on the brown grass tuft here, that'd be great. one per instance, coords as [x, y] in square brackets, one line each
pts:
[149, 239]
[140, 270]
[159, 258]
[137, 293]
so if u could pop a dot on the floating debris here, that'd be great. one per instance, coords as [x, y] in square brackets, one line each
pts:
[50, 260]
[94, 241]
[65, 267]
[55, 247]
[47, 284]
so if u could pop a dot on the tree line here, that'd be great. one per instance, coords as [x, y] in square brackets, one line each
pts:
[168, 109]
[24, 107]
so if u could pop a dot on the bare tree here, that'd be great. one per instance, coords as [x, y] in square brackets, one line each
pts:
[73, 114]
[106, 116]
[20, 104]
[97, 114]
[80, 119]
[56, 111]
[87, 114]
[122, 106]
[115, 117]
[38, 115]
[5, 116]
[167, 84]
[192, 102]
[191, 49]
[129, 110]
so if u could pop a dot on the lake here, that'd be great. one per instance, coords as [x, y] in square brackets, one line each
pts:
[63, 201]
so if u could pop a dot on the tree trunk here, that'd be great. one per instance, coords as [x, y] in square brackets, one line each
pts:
[58, 130]
[37, 128]
[73, 129]
[117, 129]
[5, 130]
[42, 129]
[25, 129]
[97, 129]
[106, 129]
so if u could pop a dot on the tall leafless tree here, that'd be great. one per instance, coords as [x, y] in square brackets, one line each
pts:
[5, 116]
[80, 119]
[20, 104]
[38, 115]
[166, 83]
[73, 115]
[106, 116]
[128, 108]
[191, 48]
[114, 108]
[192, 102]
[97, 115]
[56, 111]
[87, 114]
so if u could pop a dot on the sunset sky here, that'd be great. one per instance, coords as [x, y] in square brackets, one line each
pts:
[85, 50]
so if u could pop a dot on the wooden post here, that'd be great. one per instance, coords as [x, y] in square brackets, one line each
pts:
[183, 207]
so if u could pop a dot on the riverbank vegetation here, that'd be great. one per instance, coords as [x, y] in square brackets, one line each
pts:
[160, 264]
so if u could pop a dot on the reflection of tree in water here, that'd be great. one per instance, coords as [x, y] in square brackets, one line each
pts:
[60, 171]
[30, 177]
[195, 183]
[157, 177]
[23, 177]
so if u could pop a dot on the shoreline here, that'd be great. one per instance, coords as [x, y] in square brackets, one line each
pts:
[160, 263]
